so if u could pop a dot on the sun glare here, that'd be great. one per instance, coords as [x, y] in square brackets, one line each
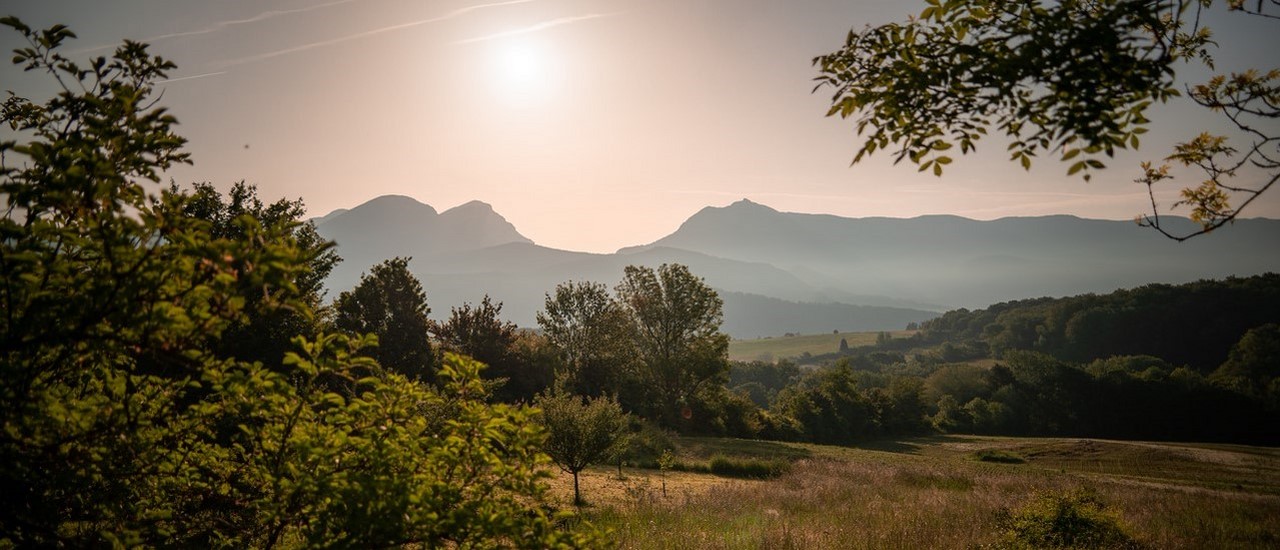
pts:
[524, 73]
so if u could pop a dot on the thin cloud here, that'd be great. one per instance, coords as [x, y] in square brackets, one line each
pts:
[535, 28]
[374, 32]
[260, 17]
[230, 23]
[192, 77]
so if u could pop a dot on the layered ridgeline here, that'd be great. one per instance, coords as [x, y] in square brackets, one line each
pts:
[959, 262]
[785, 272]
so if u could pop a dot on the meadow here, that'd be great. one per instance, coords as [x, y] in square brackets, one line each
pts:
[791, 347]
[935, 492]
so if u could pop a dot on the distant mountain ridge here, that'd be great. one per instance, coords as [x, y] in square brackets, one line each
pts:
[395, 225]
[962, 262]
[797, 272]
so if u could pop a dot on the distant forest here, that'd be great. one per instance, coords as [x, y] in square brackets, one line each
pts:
[1198, 361]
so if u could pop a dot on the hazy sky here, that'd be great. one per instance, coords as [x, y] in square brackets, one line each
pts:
[589, 124]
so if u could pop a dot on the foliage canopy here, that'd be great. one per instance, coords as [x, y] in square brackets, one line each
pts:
[125, 423]
[1074, 79]
[581, 431]
[676, 319]
[389, 302]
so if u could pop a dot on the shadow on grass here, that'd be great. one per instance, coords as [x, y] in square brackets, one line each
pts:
[910, 445]
[704, 448]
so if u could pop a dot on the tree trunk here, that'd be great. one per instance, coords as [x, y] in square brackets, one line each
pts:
[577, 498]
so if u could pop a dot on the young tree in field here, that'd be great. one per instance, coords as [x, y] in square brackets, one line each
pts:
[591, 332]
[123, 422]
[389, 302]
[676, 321]
[1073, 79]
[581, 431]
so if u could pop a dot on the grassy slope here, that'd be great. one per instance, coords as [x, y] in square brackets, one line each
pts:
[793, 346]
[932, 493]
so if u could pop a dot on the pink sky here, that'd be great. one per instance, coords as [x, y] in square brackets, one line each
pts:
[590, 124]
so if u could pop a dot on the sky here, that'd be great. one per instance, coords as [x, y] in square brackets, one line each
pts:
[590, 125]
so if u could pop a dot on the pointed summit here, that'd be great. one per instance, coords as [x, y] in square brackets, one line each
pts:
[747, 205]
[396, 225]
[476, 222]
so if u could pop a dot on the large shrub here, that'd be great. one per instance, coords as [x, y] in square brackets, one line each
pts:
[1074, 519]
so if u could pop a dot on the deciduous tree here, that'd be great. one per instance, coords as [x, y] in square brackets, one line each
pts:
[591, 331]
[676, 319]
[270, 323]
[389, 303]
[581, 431]
[1073, 79]
[479, 332]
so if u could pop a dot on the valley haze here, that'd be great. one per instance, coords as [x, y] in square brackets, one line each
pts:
[789, 272]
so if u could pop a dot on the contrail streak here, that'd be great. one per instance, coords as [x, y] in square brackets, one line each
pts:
[192, 77]
[535, 28]
[365, 34]
[260, 17]
[230, 23]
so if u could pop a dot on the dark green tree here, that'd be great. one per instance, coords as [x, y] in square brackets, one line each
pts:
[593, 336]
[479, 332]
[1073, 79]
[270, 324]
[676, 319]
[389, 303]
[828, 407]
[1254, 362]
[581, 431]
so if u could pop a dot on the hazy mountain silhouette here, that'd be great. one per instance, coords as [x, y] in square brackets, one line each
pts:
[956, 261]
[394, 225]
[784, 272]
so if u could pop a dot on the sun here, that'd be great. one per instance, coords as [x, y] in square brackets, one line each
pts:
[524, 74]
[520, 65]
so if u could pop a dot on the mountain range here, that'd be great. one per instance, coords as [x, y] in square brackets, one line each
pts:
[787, 272]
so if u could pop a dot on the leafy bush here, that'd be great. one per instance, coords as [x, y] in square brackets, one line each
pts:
[646, 443]
[1075, 519]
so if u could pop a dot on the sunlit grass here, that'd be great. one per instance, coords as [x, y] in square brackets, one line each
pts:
[932, 493]
[790, 347]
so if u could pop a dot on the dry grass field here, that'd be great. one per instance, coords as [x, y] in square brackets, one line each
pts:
[936, 493]
[791, 347]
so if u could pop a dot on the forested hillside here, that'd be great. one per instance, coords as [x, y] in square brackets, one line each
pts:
[1198, 361]
[1193, 324]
